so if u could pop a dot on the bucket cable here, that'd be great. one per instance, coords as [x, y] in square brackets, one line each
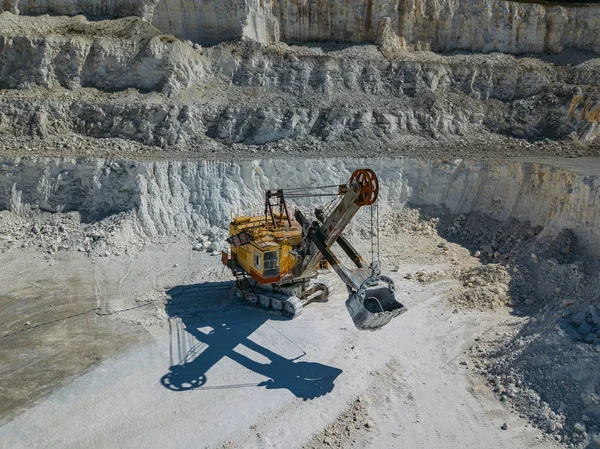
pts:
[377, 211]
[372, 242]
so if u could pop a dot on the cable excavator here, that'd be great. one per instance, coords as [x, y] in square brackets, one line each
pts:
[276, 258]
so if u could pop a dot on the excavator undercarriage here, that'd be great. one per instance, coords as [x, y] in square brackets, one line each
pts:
[289, 299]
[276, 259]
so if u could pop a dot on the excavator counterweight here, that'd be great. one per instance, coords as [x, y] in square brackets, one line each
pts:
[276, 259]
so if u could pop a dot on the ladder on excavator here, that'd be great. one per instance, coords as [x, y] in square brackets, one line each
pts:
[244, 286]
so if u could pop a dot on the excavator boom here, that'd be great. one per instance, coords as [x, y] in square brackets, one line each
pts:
[372, 302]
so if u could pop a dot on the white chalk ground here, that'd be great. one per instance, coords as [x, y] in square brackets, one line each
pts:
[268, 382]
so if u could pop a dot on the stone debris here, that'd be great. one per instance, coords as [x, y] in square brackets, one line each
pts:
[425, 277]
[345, 428]
[546, 364]
[486, 286]
[547, 398]
[582, 323]
[52, 233]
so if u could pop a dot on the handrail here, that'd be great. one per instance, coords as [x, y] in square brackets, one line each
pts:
[287, 264]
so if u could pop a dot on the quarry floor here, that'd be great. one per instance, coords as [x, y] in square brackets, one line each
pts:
[138, 344]
[88, 344]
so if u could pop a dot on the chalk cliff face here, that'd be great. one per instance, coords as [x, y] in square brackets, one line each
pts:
[113, 55]
[178, 94]
[438, 25]
[442, 25]
[106, 9]
[209, 22]
[174, 198]
[261, 96]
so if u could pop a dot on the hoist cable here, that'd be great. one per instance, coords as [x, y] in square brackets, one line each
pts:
[309, 195]
[377, 211]
[299, 189]
[372, 249]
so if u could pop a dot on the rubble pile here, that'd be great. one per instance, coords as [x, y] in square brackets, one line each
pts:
[485, 286]
[584, 324]
[545, 366]
[212, 241]
[410, 220]
[548, 378]
[52, 233]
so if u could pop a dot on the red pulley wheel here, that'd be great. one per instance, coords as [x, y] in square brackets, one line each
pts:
[369, 186]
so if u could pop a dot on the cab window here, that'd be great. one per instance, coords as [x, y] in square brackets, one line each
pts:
[271, 264]
[257, 260]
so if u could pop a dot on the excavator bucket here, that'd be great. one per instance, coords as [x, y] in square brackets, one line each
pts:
[374, 304]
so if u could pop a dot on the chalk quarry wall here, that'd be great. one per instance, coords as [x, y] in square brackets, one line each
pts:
[183, 198]
[535, 100]
[73, 52]
[438, 25]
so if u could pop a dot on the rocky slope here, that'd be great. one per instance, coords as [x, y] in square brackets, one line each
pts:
[175, 198]
[122, 78]
[192, 98]
[108, 55]
[438, 25]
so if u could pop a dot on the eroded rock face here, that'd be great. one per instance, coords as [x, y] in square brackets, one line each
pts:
[96, 188]
[110, 55]
[94, 9]
[438, 25]
[247, 93]
[173, 198]
[262, 96]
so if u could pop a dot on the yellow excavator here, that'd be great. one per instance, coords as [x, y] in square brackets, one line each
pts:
[276, 258]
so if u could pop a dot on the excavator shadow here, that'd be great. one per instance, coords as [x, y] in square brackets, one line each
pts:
[208, 327]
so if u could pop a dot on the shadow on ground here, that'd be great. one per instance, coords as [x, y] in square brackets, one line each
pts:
[220, 328]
